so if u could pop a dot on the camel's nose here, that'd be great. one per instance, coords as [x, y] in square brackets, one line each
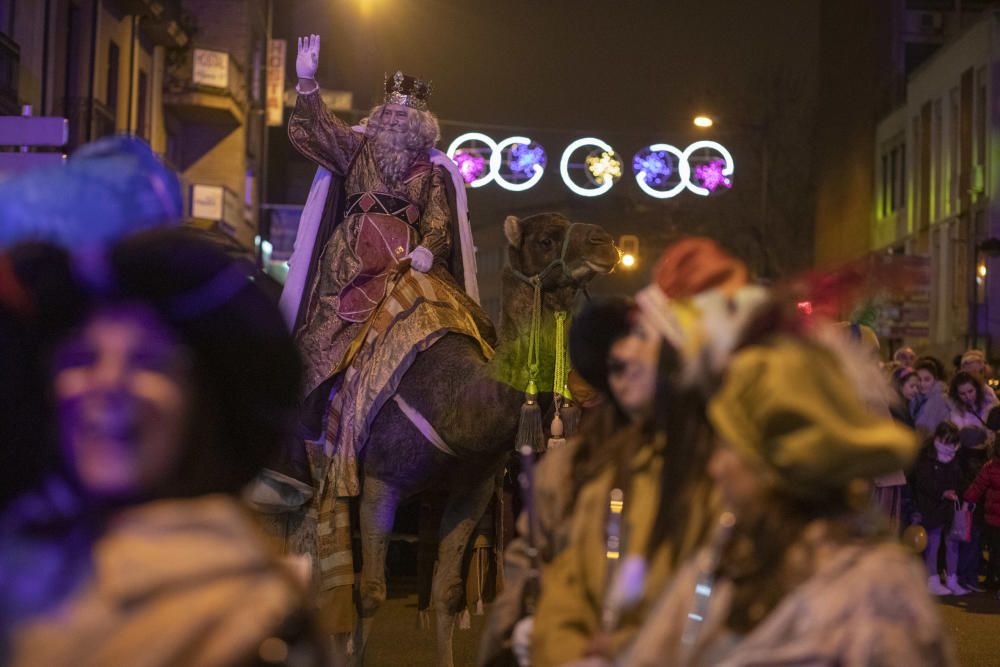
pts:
[600, 237]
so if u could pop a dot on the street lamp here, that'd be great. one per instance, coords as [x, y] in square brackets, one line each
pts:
[628, 249]
[760, 130]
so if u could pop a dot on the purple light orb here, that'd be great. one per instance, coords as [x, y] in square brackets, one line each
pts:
[524, 157]
[470, 166]
[711, 175]
[656, 165]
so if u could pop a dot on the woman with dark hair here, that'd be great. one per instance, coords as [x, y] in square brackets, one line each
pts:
[35, 309]
[173, 391]
[970, 402]
[798, 571]
[907, 386]
[611, 531]
[595, 346]
[930, 407]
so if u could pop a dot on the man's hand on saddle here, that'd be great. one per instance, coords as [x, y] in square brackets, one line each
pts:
[307, 62]
[421, 259]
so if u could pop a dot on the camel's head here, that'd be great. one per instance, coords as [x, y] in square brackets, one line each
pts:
[564, 253]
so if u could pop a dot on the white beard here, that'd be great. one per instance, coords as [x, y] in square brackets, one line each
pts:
[395, 155]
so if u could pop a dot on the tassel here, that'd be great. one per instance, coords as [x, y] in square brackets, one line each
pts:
[571, 414]
[350, 645]
[556, 429]
[423, 620]
[529, 429]
[464, 620]
[479, 607]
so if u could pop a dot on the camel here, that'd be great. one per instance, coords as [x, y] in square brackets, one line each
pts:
[474, 406]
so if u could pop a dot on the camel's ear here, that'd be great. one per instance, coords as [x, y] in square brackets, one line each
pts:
[512, 230]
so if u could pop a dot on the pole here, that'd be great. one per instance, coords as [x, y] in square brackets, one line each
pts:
[131, 74]
[973, 337]
[262, 189]
[93, 67]
[46, 20]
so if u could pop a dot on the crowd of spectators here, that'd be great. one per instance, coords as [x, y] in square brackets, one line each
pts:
[956, 415]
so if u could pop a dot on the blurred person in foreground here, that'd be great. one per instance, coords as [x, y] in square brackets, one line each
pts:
[799, 571]
[599, 352]
[35, 310]
[172, 392]
[683, 317]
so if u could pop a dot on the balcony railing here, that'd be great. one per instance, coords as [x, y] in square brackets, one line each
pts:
[181, 81]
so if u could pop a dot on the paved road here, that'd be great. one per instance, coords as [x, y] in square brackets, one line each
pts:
[974, 622]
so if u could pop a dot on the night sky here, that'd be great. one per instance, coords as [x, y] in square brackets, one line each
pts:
[576, 64]
[631, 73]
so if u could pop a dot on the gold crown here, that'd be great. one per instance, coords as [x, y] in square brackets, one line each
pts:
[406, 90]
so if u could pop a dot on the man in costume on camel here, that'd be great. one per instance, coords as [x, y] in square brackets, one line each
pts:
[383, 267]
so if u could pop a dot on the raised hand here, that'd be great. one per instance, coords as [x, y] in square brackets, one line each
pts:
[307, 60]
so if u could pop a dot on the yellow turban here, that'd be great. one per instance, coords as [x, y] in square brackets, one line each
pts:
[790, 407]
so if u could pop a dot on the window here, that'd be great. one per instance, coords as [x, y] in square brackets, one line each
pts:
[937, 162]
[111, 94]
[901, 177]
[7, 10]
[887, 185]
[893, 176]
[954, 157]
[142, 107]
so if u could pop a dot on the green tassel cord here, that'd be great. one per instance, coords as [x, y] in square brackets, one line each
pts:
[529, 428]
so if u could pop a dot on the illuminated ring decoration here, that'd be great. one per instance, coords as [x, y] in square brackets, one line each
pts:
[683, 170]
[727, 170]
[482, 138]
[564, 167]
[496, 157]
[495, 166]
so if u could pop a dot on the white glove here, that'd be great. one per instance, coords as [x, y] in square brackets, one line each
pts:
[307, 60]
[421, 259]
[520, 640]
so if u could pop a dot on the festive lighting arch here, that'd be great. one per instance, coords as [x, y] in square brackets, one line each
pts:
[683, 171]
[482, 138]
[564, 167]
[727, 169]
[721, 169]
[495, 166]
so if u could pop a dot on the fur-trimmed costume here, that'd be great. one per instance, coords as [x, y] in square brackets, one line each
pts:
[360, 316]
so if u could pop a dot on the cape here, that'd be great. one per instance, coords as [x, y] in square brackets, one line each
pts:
[324, 210]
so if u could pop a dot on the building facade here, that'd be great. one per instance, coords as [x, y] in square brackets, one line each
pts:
[936, 188]
[187, 77]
